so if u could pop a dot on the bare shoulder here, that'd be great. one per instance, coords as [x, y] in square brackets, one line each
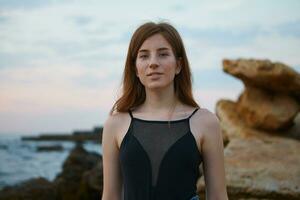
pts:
[205, 123]
[210, 120]
[115, 120]
[116, 126]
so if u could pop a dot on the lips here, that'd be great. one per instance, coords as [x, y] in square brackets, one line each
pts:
[154, 73]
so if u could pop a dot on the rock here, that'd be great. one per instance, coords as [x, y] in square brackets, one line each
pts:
[80, 179]
[258, 165]
[91, 185]
[267, 110]
[233, 125]
[96, 137]
[77, 136]
[50, 148]
[275, 76]
[78, 162]
[294, 131]
[33, 189]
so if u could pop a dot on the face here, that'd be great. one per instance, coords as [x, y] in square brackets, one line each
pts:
[156, 64]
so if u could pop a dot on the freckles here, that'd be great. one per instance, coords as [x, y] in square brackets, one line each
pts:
[140, 70]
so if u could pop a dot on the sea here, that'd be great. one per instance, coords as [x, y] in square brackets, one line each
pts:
[20, 160]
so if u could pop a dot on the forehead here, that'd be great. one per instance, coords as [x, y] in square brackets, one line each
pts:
[154, 42]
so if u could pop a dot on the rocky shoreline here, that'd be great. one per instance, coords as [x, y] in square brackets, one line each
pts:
[261, 132]
[263, 128]
[81, 178]
[76, 136]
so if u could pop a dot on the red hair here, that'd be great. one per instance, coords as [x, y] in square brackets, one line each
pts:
[133, 92]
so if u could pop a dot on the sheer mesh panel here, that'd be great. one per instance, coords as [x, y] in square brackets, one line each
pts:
[156, 139]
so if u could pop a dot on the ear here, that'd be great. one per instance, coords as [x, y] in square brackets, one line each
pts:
[179, 66]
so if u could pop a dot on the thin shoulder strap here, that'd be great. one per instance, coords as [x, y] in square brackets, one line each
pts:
[130, 113]
[193, 113]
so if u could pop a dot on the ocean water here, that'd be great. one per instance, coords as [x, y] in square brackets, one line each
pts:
[19, 160]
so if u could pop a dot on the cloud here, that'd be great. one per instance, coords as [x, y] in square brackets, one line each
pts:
[28, 4]
[82, 20]
[63, 59]
[291, 28]
[273, 46]
[55, 98]
[55, 89]
[240, 14]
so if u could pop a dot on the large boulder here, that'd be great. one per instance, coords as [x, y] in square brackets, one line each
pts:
[69, 180]
[91, 185]
[234, 125]
[265, 74]
[267, 110]
[33, 189]
[258, 165]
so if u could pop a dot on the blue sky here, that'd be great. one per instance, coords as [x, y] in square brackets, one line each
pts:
[61, 62]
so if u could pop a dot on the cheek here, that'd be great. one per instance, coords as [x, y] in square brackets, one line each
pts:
[139, 70]
[170, 64]
[171, 69]
[140, 66]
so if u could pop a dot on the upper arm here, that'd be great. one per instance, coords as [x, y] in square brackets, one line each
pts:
[112, 179]
[213, 158]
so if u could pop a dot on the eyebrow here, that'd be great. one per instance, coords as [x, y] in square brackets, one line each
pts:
[159, 49]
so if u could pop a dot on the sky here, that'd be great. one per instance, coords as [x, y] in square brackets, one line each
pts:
[61, 61]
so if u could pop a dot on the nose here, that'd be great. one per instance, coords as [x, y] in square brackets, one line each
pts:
[153, 62]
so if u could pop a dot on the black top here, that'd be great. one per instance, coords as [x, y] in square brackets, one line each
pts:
[158, 161]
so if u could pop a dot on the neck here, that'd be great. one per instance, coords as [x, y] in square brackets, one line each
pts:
[160, 101]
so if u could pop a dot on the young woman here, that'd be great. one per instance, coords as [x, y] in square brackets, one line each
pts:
[156, 135]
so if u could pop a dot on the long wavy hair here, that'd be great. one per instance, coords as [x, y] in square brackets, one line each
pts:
[133, 92]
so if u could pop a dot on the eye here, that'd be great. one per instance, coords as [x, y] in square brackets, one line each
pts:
[143, 56]
[163, 54]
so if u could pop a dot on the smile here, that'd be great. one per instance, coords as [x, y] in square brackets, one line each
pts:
[154, 74]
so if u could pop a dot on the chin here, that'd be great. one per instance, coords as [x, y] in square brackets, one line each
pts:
[157, 86]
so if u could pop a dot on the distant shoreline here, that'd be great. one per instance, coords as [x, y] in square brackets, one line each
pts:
[76, 136]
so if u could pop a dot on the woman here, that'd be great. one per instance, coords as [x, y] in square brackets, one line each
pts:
[156, 135]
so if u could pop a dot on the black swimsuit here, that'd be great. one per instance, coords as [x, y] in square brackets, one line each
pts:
[158, 161]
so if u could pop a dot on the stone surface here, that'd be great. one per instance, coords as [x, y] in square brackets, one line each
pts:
[233, 125]
[33, 189]
[91, 185]
[258, 164]
[267, 110]
[273, 76]
[69, 180]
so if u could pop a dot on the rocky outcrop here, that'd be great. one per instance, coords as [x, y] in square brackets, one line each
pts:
[80, 179]
[76, 136]
[91, 185]
[43, 148]
[258, 165]
[78, 163]
[274, 76]
[33, 189]
[257, 161]
[270, 100]
[267, 110]
[263, 127]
